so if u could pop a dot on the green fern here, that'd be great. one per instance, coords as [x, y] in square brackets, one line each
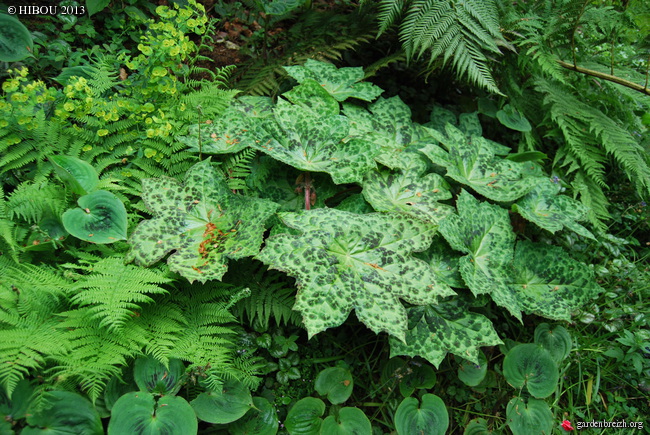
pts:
[456, 32]
[237, 167]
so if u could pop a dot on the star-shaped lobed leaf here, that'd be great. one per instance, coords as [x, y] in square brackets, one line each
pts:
[388, 124]
[549, 283]
[406, 192]
[341, 83]
[436, 330]
[551, 211]
[201, 220]
[483, 231]
[472, 162]
[344, 261]
[312, 143]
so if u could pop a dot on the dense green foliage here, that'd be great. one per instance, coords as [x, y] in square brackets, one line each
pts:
[177, 256]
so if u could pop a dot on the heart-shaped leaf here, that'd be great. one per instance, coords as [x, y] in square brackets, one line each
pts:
[336, 383]
[556, 340]
[478, 426]
[513, 118]
[223, 406]
[201, 220]
[341, 83]
[150, 375]
[344, 261]
[101, 218]
[430, 417]
[262, 419]
[436, 330]
[529, 417]
[472, 374]
[304, 418]
[65, 413]
[350, 421]
[16, 41]
[142, 413]
[531, 365]
[76, 173]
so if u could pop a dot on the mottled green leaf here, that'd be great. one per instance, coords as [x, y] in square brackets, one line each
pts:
[472, 162]
[470, 124]
[341, 83]
[444, 262]
[314, 97]
[483, 231]
[436, 330]
[406, 192]
[344, 261]
[201, 220]
[388, 125]
[547, 208]
[312, 143]
[550, 283]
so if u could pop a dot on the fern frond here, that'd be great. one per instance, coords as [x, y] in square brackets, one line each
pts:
[388, 13]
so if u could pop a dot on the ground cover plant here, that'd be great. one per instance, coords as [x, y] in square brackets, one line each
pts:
[317, 255]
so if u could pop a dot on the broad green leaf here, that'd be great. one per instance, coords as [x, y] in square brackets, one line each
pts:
[312, 143]
[150, 375]
[430, 417]
[142, 413]
[15, 40]
[100, 218]
[547, 208]
[388, 125]
[85, 71]
[513, 119]
[532, 366]
[436, 330]
[556, 340]
[16, 406]
[478, 426]
[472, 162]
[79, 175]
[350, 421]
[238, 128]
[314, 97]
[472, 374]
[529, 418]
[64, 413]
[201, 220]
[341, 83]
[444, 262]
[469, 124]
[440, 117]
[262, 419]
[408, 193]
[304, 418]
[95, 6]
[344, 261]
[527, 156]
[487, 107]
[483, 231]
[223, 406]
[550, 283]
[418, 376]
[336, 383]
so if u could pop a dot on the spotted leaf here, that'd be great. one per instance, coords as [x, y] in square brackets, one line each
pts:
[316, 143]
[551, 211]
[450, 327]
[341, 83]
[408, 193]
[472, 162]
[201, 220]
[344, 262]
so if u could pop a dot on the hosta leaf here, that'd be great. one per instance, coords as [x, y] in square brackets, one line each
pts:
[430, 416]
[388, 125]
[472, 374]
[513, 118]
[141, 413]
[349, 421]
[472, 162]
[312, 143]
[344, 261]
[76, 173]
[532, 366]
[64, 413]
[436, 330]
[304, 417]
[408, 193]
[550, 283]
[341, 83]
[556, 340]
[100, 218]
[531, 417]
[201, 220]
[551, 211]
[484, 232]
